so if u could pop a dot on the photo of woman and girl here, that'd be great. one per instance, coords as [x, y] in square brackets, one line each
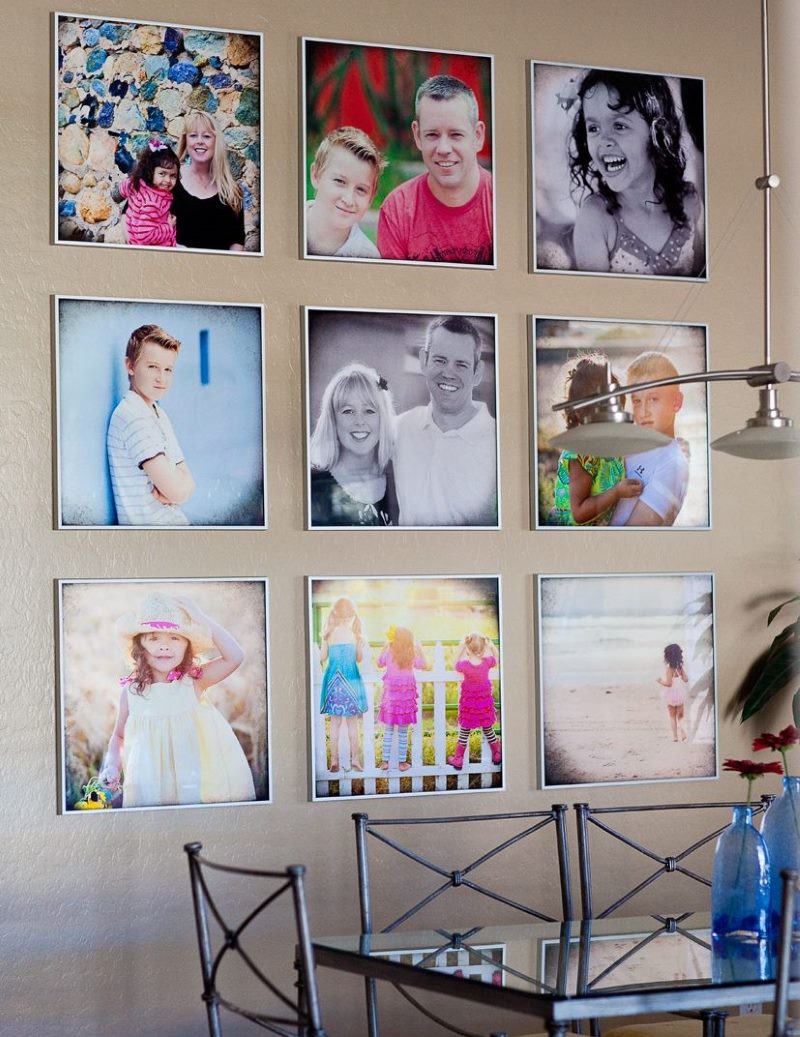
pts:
[371, 705]
[164, 148]
[660, 488]
[626, 195]
[169, 744]
[191, 199]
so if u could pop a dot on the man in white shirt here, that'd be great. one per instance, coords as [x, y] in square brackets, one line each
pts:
[445, 465]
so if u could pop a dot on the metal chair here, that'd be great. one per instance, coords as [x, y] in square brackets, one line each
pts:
[782, 1025]
[294, 1016]
[595, 820]
[604, 827]
[529, 823]
[496, 834]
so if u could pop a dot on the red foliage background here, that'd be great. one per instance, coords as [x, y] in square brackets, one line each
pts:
[373, 88]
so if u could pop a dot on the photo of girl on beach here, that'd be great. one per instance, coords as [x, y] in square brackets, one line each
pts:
[618, 172]
[616, 705]
[405, 689]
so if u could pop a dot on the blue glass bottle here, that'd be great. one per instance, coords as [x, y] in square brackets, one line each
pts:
[781, 831]
[740, 885]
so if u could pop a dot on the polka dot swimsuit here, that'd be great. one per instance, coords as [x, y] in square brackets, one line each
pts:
[631, 255]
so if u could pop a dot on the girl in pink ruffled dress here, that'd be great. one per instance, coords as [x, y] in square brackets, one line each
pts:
[673, 693]
[401, 655]
[475, 699]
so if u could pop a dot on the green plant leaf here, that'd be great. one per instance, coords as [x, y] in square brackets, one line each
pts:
[796, 708]
[781, 667]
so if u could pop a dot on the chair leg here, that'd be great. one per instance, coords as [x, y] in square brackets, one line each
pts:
[371, 991]
[214, 1020]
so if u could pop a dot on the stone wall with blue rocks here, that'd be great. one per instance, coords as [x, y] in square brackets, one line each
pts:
[119, 83]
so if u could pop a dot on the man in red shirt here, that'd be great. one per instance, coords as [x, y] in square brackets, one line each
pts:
[444, 215]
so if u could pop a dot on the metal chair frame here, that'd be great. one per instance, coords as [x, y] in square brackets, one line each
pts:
[588, 817]
[533, 820]
[304, 1018]
[782, 1025]
[594, 817]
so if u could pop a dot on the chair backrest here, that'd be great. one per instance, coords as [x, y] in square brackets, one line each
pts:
[433, 842]
[294, 1014]
[782, 1026]
[618, 835]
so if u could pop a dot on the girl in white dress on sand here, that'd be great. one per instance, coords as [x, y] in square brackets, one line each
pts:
[170, 745]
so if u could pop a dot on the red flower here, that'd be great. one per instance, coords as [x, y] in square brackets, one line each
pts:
[751, 770]
[778, 743]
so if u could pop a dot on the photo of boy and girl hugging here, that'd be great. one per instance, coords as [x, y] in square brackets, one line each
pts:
[648, 489]
[355, 680]
[442, 214]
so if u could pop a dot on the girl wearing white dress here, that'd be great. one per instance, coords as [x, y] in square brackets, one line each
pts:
[170, 746]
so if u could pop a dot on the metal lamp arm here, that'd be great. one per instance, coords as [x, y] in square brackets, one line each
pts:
[765, 374]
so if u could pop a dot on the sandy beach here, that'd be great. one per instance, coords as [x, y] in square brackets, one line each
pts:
[619, 732]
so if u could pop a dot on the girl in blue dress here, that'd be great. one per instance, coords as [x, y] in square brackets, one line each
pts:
[343, 697]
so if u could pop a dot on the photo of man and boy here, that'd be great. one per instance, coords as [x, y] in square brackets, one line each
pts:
[664, 487]
[413, 189]
[402, 419]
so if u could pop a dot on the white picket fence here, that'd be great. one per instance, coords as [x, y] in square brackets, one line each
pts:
[439, 770]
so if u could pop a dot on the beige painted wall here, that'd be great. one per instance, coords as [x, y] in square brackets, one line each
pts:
[96, 930]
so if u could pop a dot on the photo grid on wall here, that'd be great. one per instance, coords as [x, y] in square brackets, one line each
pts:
[159, 143]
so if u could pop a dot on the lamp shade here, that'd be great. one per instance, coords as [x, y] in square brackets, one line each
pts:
[761, 443]
[607, 439]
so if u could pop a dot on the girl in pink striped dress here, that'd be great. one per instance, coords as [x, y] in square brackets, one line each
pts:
[401, 655]
[149, 219]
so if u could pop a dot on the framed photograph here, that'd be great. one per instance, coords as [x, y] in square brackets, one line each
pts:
[159, 414]
[399, 154]
[665, 488]
[158, 135]
[405, 685]
[626, 678]
[619, 177]
[163, 693]
[401, 419]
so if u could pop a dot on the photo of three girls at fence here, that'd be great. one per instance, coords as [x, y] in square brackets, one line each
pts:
[345, 657]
